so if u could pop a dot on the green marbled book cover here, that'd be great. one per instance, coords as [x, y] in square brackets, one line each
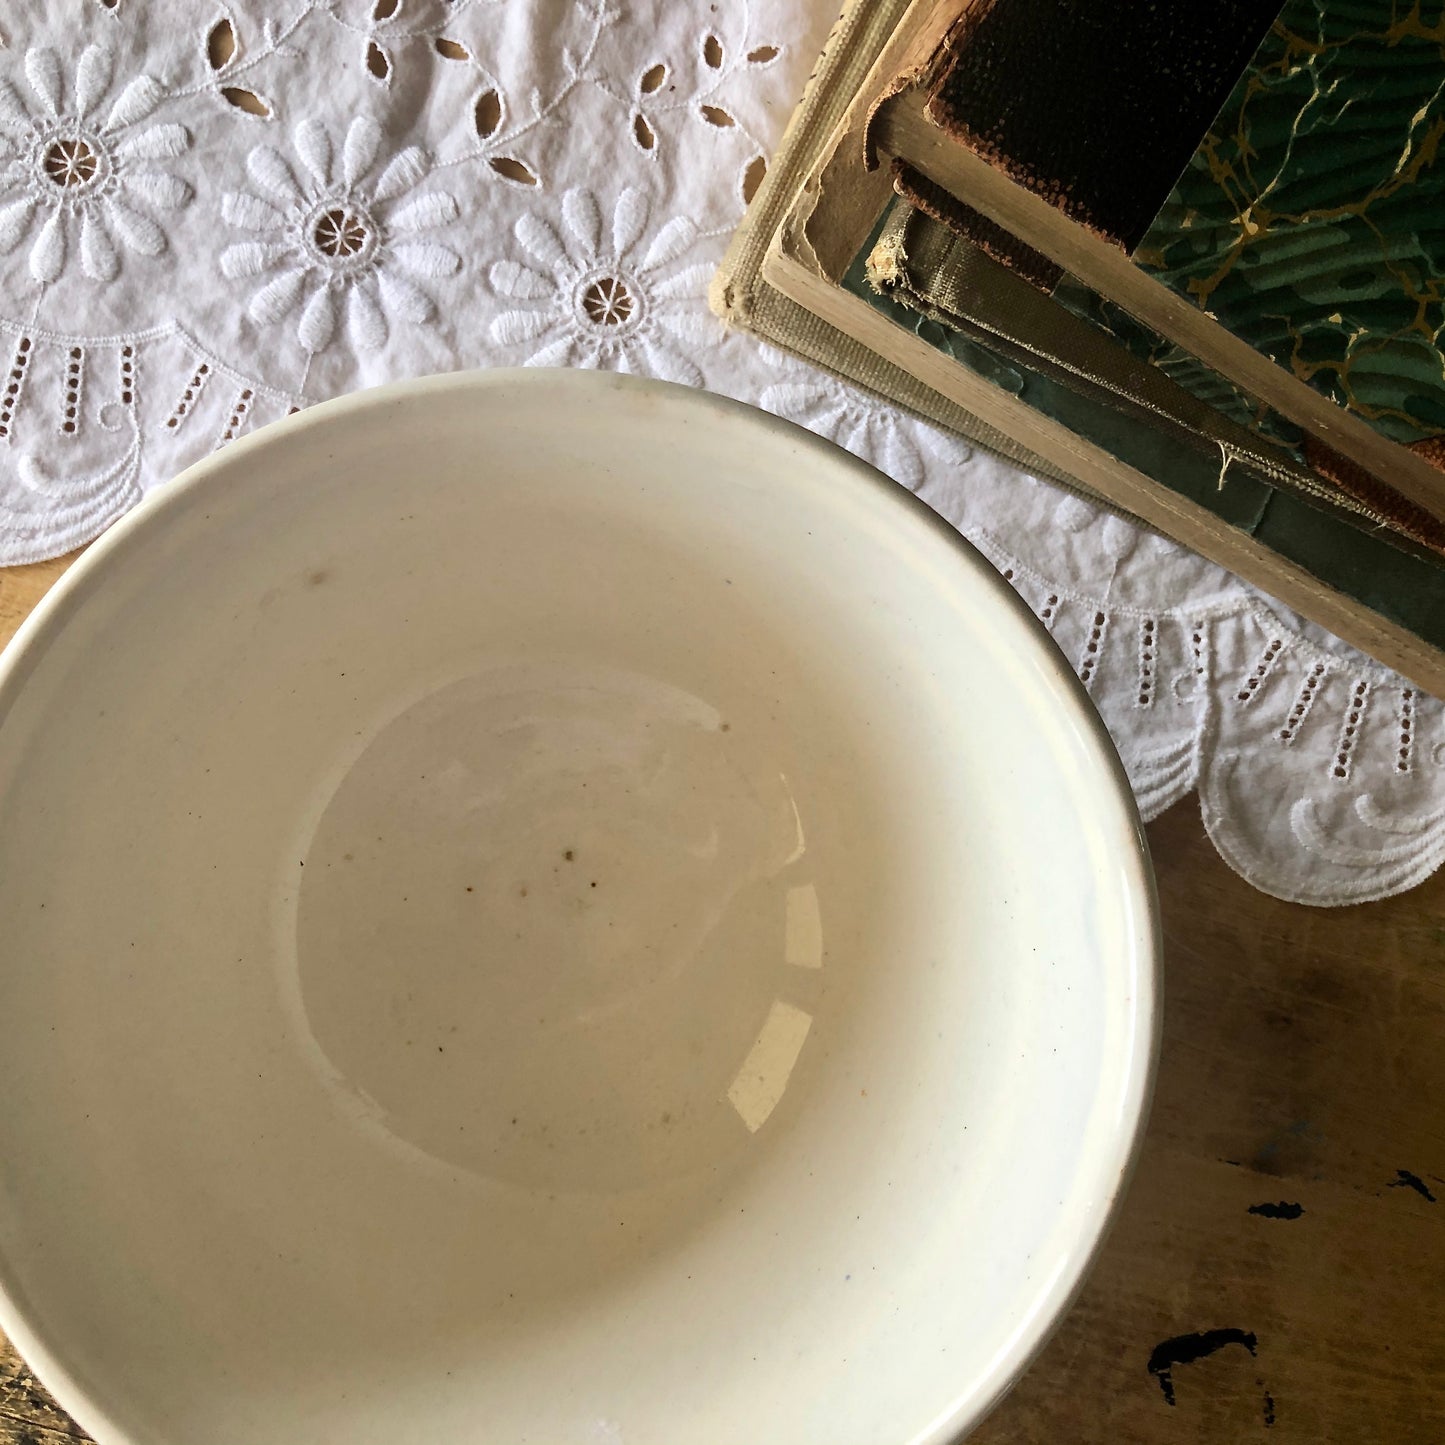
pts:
[1311, 220]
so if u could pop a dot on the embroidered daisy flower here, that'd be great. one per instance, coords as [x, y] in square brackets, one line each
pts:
[612, 299]
[82, 170]
[337, 240]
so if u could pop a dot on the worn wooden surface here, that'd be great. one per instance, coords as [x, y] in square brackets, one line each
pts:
[22, 587]
[1277, 1273]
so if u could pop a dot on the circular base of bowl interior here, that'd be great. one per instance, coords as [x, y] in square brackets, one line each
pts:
[557, 907]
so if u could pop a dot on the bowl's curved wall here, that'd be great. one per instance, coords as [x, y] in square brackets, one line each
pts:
[558, 907]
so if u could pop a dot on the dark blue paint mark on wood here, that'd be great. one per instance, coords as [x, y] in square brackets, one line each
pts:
[1405, 1180]
[1185, 1349]
[1277, 1211]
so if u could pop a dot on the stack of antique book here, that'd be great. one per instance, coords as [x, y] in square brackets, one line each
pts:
[1189, 258]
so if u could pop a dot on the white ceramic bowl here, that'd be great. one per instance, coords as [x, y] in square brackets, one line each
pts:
[543, 907]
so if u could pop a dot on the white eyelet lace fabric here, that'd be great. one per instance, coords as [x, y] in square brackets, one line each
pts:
[212, 215]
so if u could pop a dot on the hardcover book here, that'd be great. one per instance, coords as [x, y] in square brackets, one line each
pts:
[1114, 253]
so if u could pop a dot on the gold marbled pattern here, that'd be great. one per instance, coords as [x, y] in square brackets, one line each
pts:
[1310, 220]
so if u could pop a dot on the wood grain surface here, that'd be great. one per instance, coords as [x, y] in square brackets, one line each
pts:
[1277, 1272]
[22, 587]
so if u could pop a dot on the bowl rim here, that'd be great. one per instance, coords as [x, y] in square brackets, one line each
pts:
[155, 510]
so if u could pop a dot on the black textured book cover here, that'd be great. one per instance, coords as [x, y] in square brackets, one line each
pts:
[1096, 106]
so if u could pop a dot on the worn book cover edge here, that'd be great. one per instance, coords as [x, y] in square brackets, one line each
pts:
[742, 298]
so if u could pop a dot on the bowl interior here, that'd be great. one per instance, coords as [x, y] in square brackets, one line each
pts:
[556, 907]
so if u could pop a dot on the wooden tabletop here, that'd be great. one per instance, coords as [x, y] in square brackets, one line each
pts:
[1277, 1272]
